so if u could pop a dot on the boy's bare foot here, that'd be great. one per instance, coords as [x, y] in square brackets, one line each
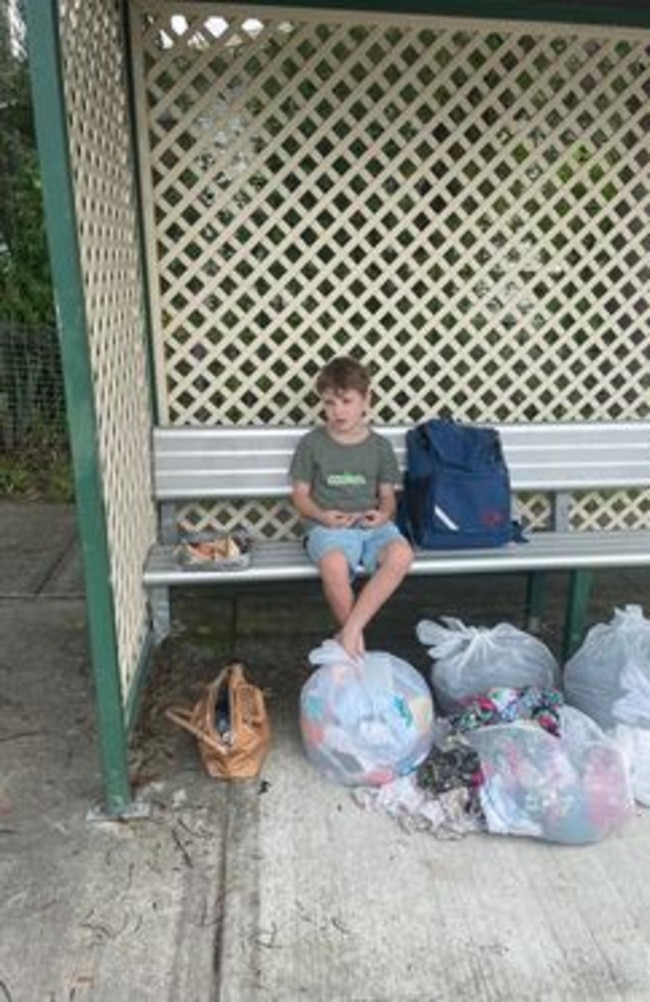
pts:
[352, 642]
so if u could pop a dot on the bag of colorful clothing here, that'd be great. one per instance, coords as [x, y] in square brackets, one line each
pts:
[468, 660]
[364, 722]
[505, 704]
[570, 788]
[608, 677]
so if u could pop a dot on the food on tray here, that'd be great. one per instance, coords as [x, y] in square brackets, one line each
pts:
[224, 548]
[227, 551]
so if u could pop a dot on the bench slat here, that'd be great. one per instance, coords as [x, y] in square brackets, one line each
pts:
[193, 463]
[286, 559]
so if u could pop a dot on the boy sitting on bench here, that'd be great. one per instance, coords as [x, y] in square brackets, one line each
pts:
[344, 477]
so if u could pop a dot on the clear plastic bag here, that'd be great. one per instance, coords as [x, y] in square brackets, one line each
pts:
[608, 677]
[634, 742]
[469, 660]
[365, 722]
[572, 789]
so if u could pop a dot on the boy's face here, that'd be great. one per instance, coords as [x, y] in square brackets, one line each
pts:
[345, 410]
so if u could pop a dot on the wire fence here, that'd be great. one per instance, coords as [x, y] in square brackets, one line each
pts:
[32, 398]
[34, 442]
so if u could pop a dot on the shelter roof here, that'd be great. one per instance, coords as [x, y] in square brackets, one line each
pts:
[626, 13]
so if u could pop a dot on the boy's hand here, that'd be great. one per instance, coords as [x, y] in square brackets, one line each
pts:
[339, 519]
[373, 518]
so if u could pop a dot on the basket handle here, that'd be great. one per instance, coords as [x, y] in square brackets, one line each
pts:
[183, 717]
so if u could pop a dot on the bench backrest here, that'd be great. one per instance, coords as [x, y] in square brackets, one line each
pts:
[228, 462]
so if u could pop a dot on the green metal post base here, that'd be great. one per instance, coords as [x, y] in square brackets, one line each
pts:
[135, 810]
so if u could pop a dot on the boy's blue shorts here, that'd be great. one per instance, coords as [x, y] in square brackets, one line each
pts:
[360, 546]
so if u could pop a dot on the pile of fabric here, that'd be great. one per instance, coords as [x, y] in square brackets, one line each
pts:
[507, 758]
[513, 761]
[508, 753]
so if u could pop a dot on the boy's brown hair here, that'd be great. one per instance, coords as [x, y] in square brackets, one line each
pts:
[341, 374]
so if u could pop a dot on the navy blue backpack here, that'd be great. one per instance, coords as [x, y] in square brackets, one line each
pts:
[457, 492]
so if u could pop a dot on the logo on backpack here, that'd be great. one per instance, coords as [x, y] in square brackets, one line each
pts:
[457, 492]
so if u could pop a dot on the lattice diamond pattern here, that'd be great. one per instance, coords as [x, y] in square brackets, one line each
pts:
[103, 179]
[274, 520]
[468, 208]
[269, 520]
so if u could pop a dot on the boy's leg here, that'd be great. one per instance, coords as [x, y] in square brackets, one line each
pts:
[335, 577]
[394, 562]
[336, 552]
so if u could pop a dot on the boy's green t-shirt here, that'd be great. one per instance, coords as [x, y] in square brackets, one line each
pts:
[344, 477]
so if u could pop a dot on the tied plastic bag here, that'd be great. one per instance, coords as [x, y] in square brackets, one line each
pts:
[634, 742]
[469, 660]
[572, 789]
[364, 722]
[608, 677]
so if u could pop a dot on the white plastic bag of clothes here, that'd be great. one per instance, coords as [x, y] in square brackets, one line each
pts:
[608, 677]
[468, 660]
[366, 721]
[570, 788]
[634, 742]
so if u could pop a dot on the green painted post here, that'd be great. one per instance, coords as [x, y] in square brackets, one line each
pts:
[535, 595]
[576, 611]
[52, 135]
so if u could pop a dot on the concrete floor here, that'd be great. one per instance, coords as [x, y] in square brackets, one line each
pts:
[279, 888]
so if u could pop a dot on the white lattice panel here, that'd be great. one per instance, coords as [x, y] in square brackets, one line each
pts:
[104, 193]
[618, 508]
[466, 206]
[592, 510]
[265, 520]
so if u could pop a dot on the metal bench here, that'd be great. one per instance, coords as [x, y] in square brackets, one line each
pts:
[561, 460]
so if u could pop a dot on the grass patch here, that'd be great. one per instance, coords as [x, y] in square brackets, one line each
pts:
[37, 472]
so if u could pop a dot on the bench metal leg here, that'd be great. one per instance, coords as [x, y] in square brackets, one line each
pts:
[576, 611]
[160, 612]
[535, 593]
[167, 522]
